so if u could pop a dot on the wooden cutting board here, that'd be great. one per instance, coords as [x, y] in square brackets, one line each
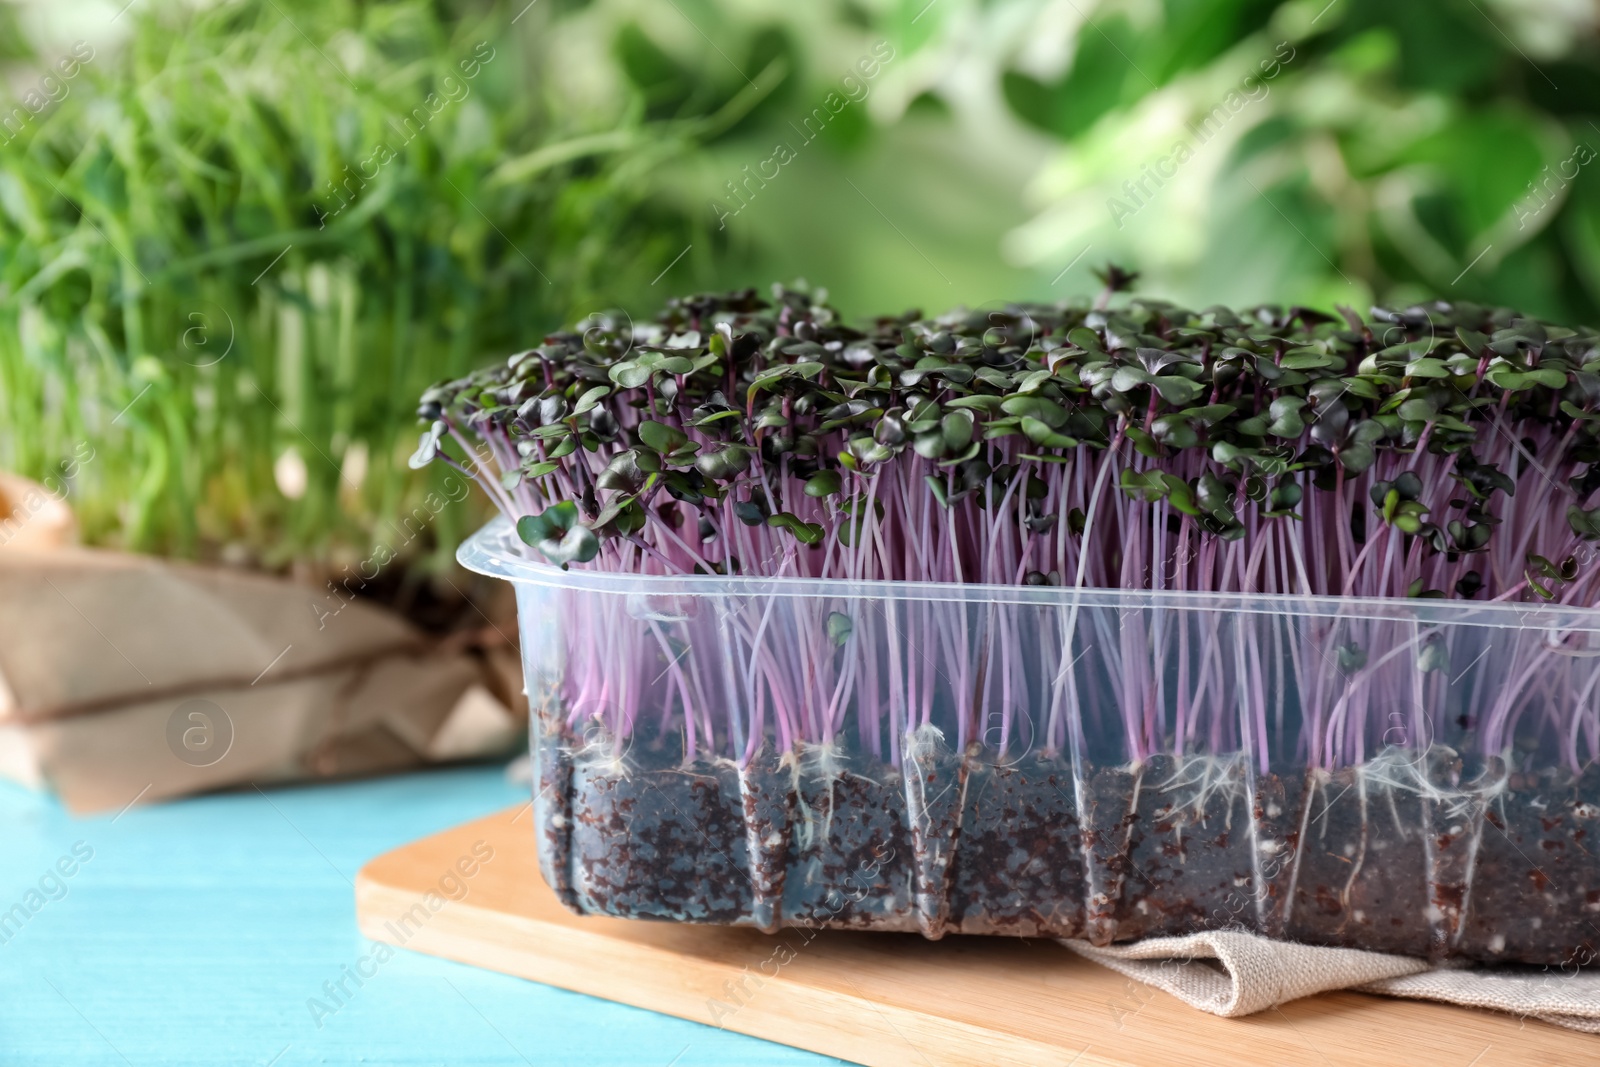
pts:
[474, 894]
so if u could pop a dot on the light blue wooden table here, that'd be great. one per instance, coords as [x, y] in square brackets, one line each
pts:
[196, 932]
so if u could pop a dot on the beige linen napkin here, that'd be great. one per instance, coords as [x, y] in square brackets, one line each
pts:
[1231, 973]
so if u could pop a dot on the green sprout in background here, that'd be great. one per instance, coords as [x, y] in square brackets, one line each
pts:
[245, 237]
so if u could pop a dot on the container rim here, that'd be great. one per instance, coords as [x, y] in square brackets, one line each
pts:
[495, 551]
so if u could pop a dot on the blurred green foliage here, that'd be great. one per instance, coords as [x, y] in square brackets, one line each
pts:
[1233, 151]
[235, 245]
[1350, 152]
[1396, 152]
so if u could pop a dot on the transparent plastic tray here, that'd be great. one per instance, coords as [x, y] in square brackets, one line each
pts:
[1412, 776]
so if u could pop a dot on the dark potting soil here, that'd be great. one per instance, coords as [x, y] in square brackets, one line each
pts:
[767, 797]
[1018, 869]
[1191, 852]
[1277, 805]
[1362, 872]
[847, 848]
[1536, 886]
[959, 843]
[1108, 796]
[660, 844]
[552, 804]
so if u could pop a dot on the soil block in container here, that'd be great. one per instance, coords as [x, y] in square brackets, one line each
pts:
[935, 801]
[552, 804]
[659, 843]
[1363, 872]
[1277, 812]
[1019, 867]
[1190, 858]
[1455, 804]
[1110, 795]
[1535, 894]
[766, 790]
[848, 845]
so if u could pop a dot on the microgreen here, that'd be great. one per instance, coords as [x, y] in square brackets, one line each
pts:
[1445, 451]
[1442, 447]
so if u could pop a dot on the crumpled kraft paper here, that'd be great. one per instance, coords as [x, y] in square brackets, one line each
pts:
[34, 515]
[126, 677]
[1253, 973]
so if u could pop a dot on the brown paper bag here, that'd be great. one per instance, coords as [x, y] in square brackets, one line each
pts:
[124, 677]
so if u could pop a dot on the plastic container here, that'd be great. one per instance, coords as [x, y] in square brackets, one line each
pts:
[1410, 776]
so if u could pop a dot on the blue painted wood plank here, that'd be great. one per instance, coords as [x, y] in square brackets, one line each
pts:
[201, 931]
